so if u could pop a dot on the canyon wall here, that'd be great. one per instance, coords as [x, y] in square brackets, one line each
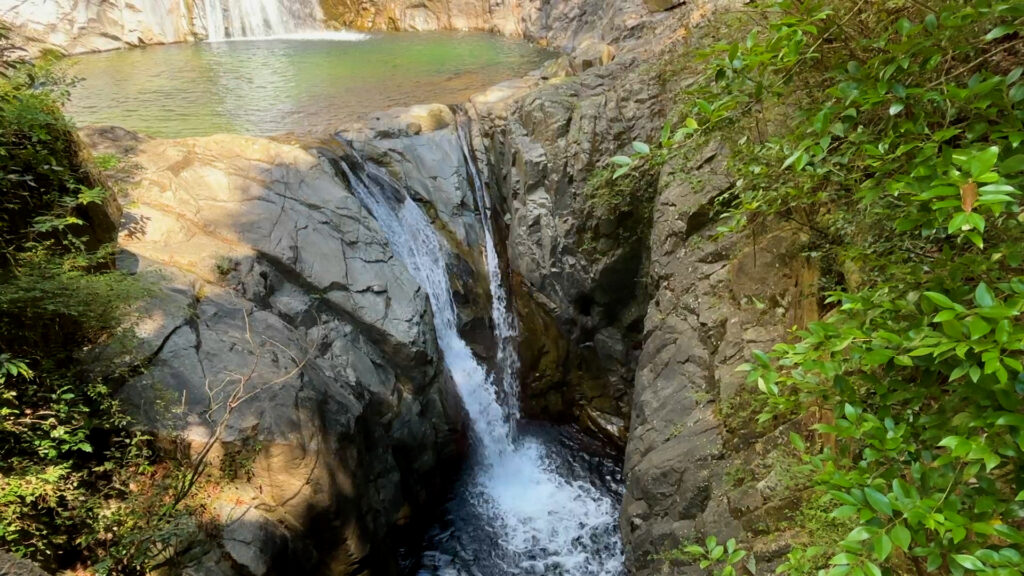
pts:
[635, 322]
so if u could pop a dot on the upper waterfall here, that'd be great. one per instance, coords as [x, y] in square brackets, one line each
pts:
[101, 25]
[226, 19]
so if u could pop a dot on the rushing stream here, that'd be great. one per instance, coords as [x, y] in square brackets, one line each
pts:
[527, 504]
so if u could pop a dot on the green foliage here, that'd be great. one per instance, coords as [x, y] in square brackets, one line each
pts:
[620, 196]
[107, 162]
[225, 265]
[41, 175]
[77, 486]
[719, 559]
[902, 158]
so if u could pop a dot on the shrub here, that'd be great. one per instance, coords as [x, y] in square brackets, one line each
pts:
[904, 163]
[77, 486]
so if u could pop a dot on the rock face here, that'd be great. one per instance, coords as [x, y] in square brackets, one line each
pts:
[11, 565]
[290, 347]
[714, 302]
[76, 26]
[563, 24]
[420, 148]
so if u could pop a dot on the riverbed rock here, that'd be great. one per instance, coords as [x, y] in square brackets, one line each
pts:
[288, 347]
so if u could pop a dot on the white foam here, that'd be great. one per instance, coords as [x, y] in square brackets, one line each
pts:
[267, 20]
[335, 36]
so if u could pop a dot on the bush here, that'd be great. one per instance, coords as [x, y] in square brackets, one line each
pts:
[77, 486]
[904, 162]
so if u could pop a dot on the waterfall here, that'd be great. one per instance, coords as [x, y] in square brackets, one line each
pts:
[233, 19]
[541, 521]
[505, 328]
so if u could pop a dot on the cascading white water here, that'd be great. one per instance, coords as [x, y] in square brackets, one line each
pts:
[246, 19]
[544, 523]
[505, 328]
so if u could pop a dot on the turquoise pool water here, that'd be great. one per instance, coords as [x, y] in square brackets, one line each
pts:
[304, 86]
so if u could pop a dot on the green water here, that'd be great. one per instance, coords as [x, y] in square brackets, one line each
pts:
[287, 86]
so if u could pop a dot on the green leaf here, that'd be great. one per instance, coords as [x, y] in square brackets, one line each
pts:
[1012, 165]
[883, 546]
[877, 357]
[983, 161]
[844, 498]
[797, 441]
[845, 511]
[978, 327]
[844, 558]
[860, 533]
[793, 158]
[1003, 329]
[942, 300]
[996, 188]
[958, 372]
[622, 160]
[958, 222]
[642, 148]
[896, 108]
[998, 32]
[969, 562]
[901, 537]
[983, 296]
[1017, 93]
[878, 501]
